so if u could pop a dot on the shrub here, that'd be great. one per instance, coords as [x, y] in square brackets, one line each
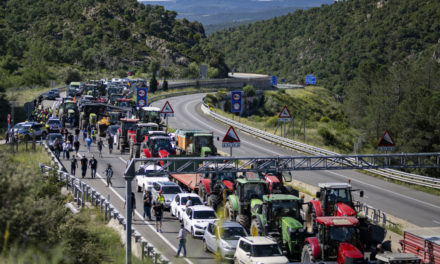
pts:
[324, 119]
[327, 136]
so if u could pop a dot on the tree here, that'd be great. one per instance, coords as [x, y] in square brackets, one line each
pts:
[72, 76]
[153, 84]
[165, 73]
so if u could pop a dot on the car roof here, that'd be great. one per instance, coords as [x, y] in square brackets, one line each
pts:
[202, 208]
[55, 134]
[259, 240]
[168, 183]
[152, 167]
[228, 224]
[188, 195]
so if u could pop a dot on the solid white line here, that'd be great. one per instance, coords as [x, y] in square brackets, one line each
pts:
[437, 222]
[123, 160]
[385, 190]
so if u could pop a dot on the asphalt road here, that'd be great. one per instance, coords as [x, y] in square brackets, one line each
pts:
[414, 206]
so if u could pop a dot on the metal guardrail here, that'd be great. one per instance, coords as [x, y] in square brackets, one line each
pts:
[387, 173]
[82, 192]
[162, 96]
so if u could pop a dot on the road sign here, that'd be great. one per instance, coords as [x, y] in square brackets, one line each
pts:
[141, 99]
[386, 142]
[273, 80]
[284, 115]
[231, 139]
[311, 79]
[167, 110]
[236, 102]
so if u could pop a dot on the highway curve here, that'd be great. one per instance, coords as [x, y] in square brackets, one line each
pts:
[414, 206]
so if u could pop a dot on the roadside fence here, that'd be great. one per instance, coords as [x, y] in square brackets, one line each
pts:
[82, 193]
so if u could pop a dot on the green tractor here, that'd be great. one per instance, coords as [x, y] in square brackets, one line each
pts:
[278, 216]
[246, 191]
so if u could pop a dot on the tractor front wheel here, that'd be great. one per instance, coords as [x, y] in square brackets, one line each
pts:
[229, 213]
[243, 220]
[307, 255]
[256, 228]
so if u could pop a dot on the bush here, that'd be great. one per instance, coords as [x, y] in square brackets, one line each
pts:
[327, 136]
[249, 90]
[153, 84]
[272, 121]
[72, 76]
[324, 119]
[165, 85]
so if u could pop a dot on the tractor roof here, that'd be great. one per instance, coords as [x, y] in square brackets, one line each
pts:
[160, 137]
[148, 125]
[129, 120]
[151, 109]
[191, 132]
[334, 185]
[123, 99]
[337, 221]
[256, 180]
[280, 197]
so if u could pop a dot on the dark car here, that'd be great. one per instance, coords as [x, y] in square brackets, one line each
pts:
[111, 130]
[50, 140]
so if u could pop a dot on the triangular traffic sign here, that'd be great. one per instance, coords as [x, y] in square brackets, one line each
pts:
[285, 113]
[167, 109]
[231, 136]
[386, 140]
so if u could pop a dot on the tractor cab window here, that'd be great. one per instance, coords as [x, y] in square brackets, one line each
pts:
[339, 195]
[286, 208]
[342, 234]
[161, 145]
[251, 191]
[130, 125]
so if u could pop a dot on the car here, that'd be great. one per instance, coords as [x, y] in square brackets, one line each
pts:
[222, 237]
[51, 137]
[53, 125]
[178, 205]
[29, 129]
[196, 219]
[258, 249]
[144, 182]
[169, 190]
[111, 130]
[52, 94]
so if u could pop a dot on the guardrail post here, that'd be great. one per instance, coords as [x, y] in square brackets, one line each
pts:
[105, 212]
[93, 197]
[143, 245]
[156, 257]
[384, 218]
[87, 187]
[83, 196]
[149, 250]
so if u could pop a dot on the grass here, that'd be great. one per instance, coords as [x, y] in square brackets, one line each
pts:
[24, 95]
[28, 158]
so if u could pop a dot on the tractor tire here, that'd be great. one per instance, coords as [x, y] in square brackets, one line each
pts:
[214, 201]
[137, 151]
[310, 217]
[306, 255]
[256, 228]
[243, 220]
[229, 213]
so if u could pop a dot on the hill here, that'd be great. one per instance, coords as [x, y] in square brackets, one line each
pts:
[380, 58]
[95, 35]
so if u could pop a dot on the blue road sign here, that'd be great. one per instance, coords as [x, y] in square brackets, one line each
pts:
[310, 79]
[236, 102]
[273, 80]
[141, 99]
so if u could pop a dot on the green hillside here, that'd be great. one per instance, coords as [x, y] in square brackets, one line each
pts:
[37, 36]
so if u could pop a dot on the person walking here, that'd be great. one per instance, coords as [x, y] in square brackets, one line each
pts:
[100, 144]
[88, 143]
[84, 131]
[93, 166]
[133, 203]
[109, 174]
[76, 145]
[77, 131]
[59, 148]
[160, 198]
[158, 210]
[64, 148]
[182, 241]
[84, 163]
[73, 165]
[148, 197]
[68, 149]
[110, 144]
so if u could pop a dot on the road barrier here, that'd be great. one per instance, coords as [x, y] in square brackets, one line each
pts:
[386, 173]
[82, 192]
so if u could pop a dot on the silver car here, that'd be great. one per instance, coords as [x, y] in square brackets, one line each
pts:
[222, 237]
[169, 190]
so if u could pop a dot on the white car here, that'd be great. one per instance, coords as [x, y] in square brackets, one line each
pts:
[197, 218]
[178, 205]
[143, 181]
[258, 249]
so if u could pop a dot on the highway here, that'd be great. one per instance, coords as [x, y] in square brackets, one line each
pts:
[417, 207]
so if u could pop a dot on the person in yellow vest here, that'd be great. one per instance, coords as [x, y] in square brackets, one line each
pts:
[161, 198]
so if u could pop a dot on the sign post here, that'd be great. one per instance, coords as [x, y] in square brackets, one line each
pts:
[167, 111]
[231, 140]
[141, 99]
[284, 117]
[386, 142]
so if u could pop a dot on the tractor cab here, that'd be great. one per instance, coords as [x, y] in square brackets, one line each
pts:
[123, 102]
[127, 127]
[143, 130]
[114, 97]
[336, 199]
[158, 146]
[149, 114]
[337, 239]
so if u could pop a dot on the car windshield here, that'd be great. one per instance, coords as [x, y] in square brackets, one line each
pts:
[342, 233]
[53, 122]
[285, 207]
[266, 250]
[252, 191]
[24, 128]
[204, 215]
[339, 195]
[194, 200]
[232, 232]
[171, 190]
[161, 144]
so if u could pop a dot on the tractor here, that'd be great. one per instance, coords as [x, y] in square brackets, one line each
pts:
[128, 126]
[124, 102]
[246, 191]
[274, 178]
[195, 143]
[337, 239]
[149, 114]
[141, 135]
[215, 187]
[157, 146]
[278, 216]
[113, 97]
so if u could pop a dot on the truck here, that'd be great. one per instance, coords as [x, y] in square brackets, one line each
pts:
[423, 242]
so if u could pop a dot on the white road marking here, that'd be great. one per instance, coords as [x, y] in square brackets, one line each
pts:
[385, 190]
[123, 160]
[437, 222]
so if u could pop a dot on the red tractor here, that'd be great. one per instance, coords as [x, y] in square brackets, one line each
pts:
[337, 239]
[128, 126]
[141, 135]
[157, 146]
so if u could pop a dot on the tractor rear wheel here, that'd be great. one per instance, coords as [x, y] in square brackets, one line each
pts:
[229, 213]
[256, 228]
[307, 255]
[137, 151]
[243, 220]
[214, 201]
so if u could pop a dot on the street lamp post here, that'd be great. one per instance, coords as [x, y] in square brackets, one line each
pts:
[128, 175]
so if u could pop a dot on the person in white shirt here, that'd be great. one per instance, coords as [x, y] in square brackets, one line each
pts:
[182, 241]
